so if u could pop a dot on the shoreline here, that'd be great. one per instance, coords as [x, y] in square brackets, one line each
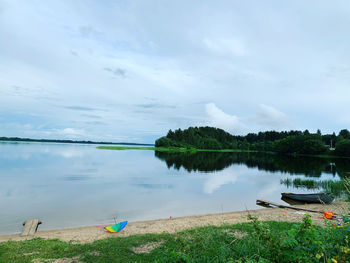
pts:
[172, 149]
[91, 233]
[195, 150]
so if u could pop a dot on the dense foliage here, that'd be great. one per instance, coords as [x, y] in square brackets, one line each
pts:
[292, 142]
[201, 138]
[302, 144]
[343, 148]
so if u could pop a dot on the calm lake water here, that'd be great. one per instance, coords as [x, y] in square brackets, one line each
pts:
[71, 185]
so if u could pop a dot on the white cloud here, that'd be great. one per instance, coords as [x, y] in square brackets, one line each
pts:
[70, 132]
[231, 46]
[220, 119]
[270, 118]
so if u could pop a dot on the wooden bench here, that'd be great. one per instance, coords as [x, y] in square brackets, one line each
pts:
[30, 227]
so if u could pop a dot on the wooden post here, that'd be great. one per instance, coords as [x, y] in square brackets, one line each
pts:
[30, 227]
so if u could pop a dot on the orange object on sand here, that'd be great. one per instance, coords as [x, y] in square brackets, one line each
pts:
[328, 215]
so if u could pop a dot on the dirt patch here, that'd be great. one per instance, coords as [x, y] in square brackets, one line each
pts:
[31, 253]
[58, 260]
[146, 248]
[236, 233]
[68, 260]
[95, 253]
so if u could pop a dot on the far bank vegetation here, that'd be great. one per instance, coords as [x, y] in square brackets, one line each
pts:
[290, 142]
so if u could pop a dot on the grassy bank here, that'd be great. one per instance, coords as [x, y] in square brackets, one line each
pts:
[227, 243]
[168, 149]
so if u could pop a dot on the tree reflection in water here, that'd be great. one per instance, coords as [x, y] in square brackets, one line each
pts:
[295, 165]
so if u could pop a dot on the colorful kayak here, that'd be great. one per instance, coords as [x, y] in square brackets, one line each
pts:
[117, 227]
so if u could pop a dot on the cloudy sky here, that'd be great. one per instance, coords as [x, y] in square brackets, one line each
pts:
[132, 70]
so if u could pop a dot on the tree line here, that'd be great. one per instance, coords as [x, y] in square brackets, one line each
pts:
[292, 142]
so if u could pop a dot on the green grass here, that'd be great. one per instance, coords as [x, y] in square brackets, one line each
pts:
[125, 148]
[245, 242]
[167, 149]
[205, 244]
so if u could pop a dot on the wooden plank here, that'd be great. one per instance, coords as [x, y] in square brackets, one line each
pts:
[269, 203]
[30, 227]
[260, 201]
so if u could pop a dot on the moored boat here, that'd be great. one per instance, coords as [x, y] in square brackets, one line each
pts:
[310, 198]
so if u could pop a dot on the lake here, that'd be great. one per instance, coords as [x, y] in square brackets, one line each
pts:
[72, 185]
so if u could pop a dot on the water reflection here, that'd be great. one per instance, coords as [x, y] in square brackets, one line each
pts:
[215, 181]
[217, 161]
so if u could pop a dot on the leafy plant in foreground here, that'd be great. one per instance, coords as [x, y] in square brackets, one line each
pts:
[304, 242]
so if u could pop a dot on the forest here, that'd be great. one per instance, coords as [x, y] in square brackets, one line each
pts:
[289, 142]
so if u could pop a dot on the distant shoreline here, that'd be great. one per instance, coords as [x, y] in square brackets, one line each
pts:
[17, 139]
[171, 149]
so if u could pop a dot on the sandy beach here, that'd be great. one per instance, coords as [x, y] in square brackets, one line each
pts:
[92, 233]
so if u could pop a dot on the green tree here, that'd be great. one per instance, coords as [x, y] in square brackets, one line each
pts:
[319, 132]
[343, 148]
[300, 144]
[345, 134]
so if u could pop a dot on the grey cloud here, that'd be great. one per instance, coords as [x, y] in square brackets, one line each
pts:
[155, 105]
[16, 90]
[333, 71]
[91, 116]
[74, 53]
[155, 186]
[79, 108]
[89, 31]
[94, 123]
[150, 98]
[118, 71]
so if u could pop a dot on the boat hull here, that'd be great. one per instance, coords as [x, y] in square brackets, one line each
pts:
[319, 198]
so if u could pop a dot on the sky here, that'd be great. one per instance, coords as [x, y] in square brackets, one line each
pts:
[131, 70]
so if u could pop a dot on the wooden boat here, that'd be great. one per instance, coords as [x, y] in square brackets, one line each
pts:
[319, 198]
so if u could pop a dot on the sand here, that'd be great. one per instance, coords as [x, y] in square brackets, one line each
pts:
[92, 233]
